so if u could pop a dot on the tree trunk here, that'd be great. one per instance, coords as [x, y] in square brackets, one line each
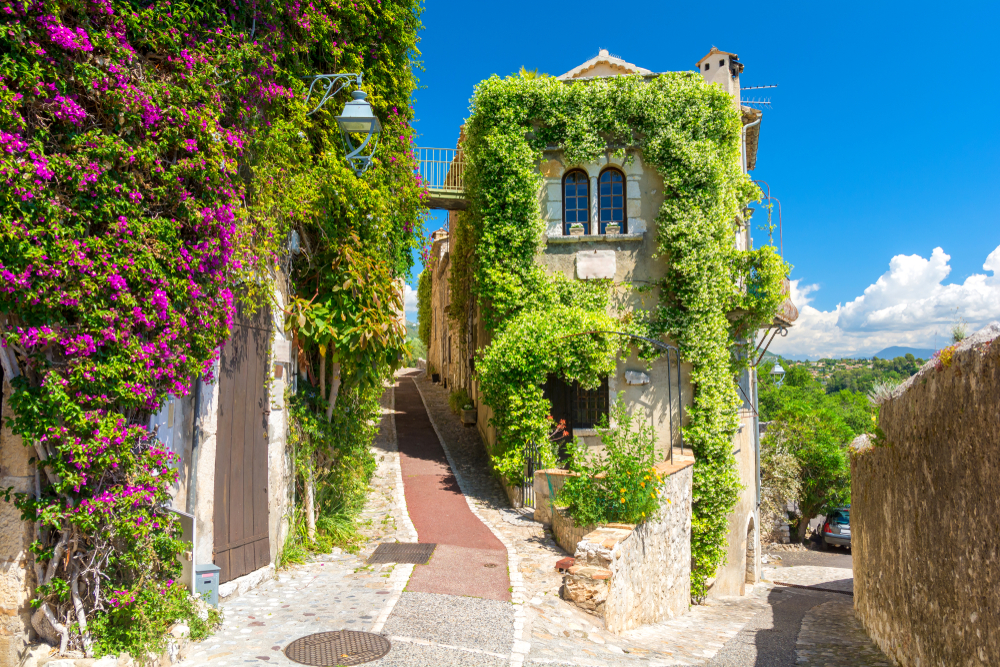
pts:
[322, 376]
[310, 504]
[334, 390]
[803, 526]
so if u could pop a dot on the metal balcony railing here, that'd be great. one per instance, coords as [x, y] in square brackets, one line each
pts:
[442, 168]
[442, 171]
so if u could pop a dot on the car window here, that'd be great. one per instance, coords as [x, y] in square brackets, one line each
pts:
[840, 517]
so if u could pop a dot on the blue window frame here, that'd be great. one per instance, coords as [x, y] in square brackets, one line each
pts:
[576, 200]
[612, 199]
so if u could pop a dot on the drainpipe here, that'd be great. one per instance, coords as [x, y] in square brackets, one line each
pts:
[756, 435]
[192, 493]
[743, 143]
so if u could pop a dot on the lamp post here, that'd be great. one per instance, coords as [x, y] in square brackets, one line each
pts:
[356, 119]
[779, 374]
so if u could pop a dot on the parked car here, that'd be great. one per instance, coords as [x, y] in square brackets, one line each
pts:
[837, 528]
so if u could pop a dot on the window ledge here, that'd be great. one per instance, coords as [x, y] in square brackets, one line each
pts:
[599, 238]
[585, 431]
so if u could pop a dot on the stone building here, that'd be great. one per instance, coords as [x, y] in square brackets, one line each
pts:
[633, 193]
[234, 486]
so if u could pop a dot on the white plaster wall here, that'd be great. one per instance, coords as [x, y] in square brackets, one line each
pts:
[204, 477]
[730, 579]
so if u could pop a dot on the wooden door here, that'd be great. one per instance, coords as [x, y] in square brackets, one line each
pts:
[242, 542]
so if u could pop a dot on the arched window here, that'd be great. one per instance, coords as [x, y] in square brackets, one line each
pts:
[612, 199]
[576, 198]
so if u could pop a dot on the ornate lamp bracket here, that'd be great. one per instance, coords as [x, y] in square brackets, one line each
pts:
[774, 330]
[328, 85]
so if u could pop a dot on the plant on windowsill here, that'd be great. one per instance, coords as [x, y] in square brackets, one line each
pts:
[576, 229]
[613, 228]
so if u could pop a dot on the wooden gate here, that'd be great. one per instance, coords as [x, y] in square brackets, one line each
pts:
[241, 526]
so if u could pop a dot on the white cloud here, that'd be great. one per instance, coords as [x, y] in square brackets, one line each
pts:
[908, 305]
[410, 303]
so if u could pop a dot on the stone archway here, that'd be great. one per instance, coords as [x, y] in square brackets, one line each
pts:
[751, 557]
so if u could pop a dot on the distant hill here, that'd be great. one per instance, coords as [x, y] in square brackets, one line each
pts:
[896, 351]
[411, 329]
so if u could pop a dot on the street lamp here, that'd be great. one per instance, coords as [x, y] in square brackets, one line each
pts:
[779, 374]
[356, 119]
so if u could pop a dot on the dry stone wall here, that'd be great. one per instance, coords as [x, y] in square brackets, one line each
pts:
[629, 575]
[925, 512]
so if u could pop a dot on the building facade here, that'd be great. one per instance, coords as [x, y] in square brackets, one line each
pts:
[593, 196]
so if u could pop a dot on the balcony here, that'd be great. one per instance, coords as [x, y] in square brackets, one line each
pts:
[442, 171]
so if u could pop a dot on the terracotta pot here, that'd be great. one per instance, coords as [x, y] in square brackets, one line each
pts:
[613, 228]
[576, 231]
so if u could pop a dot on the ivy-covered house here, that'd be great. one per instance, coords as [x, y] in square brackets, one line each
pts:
[614, 198]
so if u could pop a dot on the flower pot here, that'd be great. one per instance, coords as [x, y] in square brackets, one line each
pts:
[576, 230]
[469, 416]
[613, 228]
[435, 378]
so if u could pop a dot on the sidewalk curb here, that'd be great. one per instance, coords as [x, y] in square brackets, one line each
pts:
[401, 573]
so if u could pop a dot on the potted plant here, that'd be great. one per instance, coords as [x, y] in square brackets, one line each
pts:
[576, 229]
[613, 228]
[469, 414]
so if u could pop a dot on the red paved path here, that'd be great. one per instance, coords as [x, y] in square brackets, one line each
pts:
[469, 559]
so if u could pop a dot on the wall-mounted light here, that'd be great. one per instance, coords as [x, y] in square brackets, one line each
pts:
[357, 119]
[779, 374]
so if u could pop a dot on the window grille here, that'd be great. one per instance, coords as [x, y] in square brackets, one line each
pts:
[581, 408]
[576, 201]
[612, 199]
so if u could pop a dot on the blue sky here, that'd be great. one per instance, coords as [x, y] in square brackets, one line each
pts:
[881, 142]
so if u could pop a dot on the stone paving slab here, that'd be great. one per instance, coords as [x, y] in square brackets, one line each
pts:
[831, 636]
[456, 621]
[834, 578]
[408, 654]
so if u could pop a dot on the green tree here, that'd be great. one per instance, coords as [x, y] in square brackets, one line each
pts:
[815, 427]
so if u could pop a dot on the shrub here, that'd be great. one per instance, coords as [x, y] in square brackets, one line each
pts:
[621, 485]
[137, 620]
[458, 399]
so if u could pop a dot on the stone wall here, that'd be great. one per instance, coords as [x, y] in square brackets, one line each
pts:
[630, 575]
[16, 579]
[925, 510]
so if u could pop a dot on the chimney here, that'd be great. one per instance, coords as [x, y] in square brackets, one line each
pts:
[723, 68]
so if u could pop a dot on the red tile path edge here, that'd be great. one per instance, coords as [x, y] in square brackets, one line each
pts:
[469, 560]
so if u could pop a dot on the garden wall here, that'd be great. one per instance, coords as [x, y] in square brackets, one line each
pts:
[16, 578]
[925, 510]
[630, 575]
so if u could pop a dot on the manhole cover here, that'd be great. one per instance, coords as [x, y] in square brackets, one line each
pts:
[332, 649]
[402, 552]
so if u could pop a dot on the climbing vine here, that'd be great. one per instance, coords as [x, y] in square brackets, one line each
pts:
[690, 133]
[153, 158]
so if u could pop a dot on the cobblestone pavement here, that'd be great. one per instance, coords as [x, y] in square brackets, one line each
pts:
[831, 636]
[538, 628]
[331, 592]
[556, 632]
[833, 578]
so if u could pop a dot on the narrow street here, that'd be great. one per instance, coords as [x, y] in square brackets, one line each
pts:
[489, 595]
